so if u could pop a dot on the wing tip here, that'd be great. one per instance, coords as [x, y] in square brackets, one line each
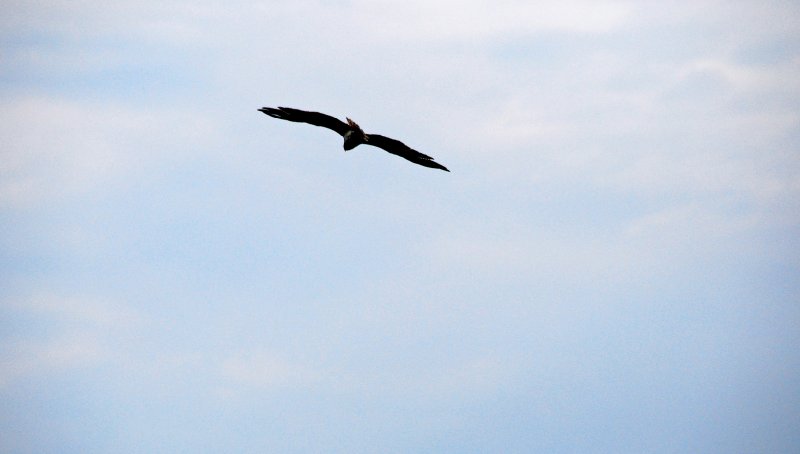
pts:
[272, 112]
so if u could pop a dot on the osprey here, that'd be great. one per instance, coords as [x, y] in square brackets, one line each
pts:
[353, 134]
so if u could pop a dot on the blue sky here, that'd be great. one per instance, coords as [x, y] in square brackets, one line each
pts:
[612, 265]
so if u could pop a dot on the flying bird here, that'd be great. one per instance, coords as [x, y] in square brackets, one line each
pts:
[353, 134]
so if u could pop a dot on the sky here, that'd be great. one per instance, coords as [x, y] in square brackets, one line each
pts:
[612, 265]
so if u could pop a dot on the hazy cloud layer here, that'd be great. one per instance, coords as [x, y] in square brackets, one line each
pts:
[611, 266]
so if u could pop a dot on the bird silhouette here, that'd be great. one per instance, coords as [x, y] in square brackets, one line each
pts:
[353, 134]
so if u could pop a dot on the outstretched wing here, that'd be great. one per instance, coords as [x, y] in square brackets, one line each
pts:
[302, 116]
[400, 149]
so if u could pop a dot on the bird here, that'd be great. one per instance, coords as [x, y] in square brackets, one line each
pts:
[353, 134]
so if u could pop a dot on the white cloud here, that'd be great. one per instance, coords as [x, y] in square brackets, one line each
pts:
[28, 359]
[58, 147]
[167, 23]
[489, 19]
[77, 335]
[66, 309]
[691, 220]
[780, 77]
[599, 155]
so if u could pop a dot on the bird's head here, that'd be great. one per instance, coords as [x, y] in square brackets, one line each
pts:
[354, 137]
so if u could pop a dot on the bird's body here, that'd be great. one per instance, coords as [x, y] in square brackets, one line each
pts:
[353, 134]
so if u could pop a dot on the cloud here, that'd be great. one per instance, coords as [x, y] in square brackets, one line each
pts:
[69, 309]
[23, 360]
[58, 147]
[691, 220]
[618, 172]
[746, 78]
[59, 333]
[687, 129]
[170, 23]
[472, 20]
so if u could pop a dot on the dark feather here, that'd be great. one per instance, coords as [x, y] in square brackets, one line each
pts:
[400, 149]
[302, 116]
